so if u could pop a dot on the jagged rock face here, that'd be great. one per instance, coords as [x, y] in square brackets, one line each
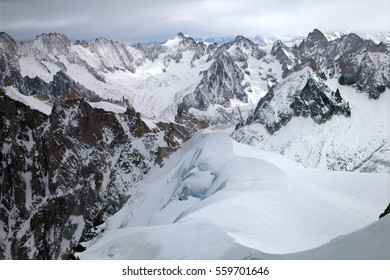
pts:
[63, 174]
[115, 56]
[54, 48]
[151, 52]
[201, 49]
[350, 43]
[83, 43]
[303, 94]
[316, 39]
[23, 173]
[287, 57]
[51, 43]
[348, 57]
[241, 48]
[314, 102]
[63, 85]
[9, 61]
[220, 83]
[387, 211]
[374, 74]
[186, 43]
[8, 54]
[44, 48]
[367, 71]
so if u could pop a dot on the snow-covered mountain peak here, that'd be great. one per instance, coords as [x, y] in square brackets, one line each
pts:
[331, 36]
[183, 43]
[115, 56]
[241, 48]
[7, 42]
[316, 36]
[181, 39]
[303, 93]
[52, 41]
[316, 41]
[349, 43]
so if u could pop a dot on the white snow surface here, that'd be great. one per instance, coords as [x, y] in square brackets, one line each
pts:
[360, 142]
[371, 242]
[107, 106]
[31, 101]
[215, 199]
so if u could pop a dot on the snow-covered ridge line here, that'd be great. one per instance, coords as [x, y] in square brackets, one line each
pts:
[30, 101]
[107, 106]
[46, 107]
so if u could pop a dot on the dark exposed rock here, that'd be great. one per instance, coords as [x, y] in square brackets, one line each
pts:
[387, 211]
[62, 85]
[151, 52]
[243, 48]
[220, 83]
[314, 103]
[54, 41]
[341, 58]
[64, 174]
[286, 57]
[201, 49]
[82, 43]
[109, 51]
[186, 43]
[303, 95]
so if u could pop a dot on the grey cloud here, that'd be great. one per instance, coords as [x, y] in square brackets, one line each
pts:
[132, 21]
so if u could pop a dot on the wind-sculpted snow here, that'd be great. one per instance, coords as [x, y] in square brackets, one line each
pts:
[368, 243]
[216, 198]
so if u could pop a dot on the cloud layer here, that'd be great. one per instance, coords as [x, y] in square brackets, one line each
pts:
[134, 21]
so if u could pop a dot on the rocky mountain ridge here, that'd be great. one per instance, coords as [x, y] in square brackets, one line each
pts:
[349, 58]
[63, 174]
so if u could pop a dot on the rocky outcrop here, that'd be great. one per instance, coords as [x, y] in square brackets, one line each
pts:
[116, 56]
[63, 86]
[63, 174]
[355, 61]
[301, 94]
[242, 48]
[44, 48]
[222, 82]
[387, 211]
[9, 62]
[314, 44]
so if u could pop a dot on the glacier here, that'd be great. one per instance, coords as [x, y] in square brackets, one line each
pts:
[253, 204]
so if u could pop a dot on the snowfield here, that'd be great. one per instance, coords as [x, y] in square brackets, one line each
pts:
[30, 101]
[218, 199]
[358, 143]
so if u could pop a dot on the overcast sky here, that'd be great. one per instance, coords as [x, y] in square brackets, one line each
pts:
[133, 21]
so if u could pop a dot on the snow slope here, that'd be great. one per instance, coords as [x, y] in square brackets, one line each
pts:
[215, 198]
[30, 101]
[368, 243]
[154, 89]
[360, 142]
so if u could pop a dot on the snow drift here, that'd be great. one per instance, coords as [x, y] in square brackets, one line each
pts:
[215, 198]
